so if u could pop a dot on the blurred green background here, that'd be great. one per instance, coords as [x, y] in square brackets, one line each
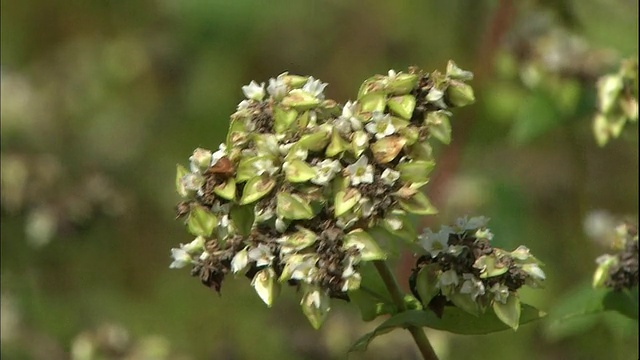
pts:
[100, 100]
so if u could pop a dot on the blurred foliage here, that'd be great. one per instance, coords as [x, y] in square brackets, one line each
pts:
[101, 99]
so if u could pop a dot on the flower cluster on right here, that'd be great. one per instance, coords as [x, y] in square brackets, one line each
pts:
[460, 267]
[617, 102]
[619, 271]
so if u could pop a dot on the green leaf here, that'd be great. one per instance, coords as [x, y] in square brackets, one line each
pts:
[509, 312]
[418, 204]
[372, 298]
[454, 320]
[242, 217]
[427, 283]
[201, 221]
[585, 300]
[300, 100]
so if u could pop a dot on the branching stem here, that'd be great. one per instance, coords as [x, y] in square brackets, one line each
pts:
[396, 294]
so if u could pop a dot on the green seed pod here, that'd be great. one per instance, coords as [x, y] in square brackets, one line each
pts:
[300, 100]
[402, 106]
[201, 222]
[386, 149]
[293, 207]
[226, 190]
[255, 189]
[402, 84]
[283, 118]
[297, 171]
[460, 94]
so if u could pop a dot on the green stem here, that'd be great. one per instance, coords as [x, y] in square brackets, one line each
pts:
[396, 294]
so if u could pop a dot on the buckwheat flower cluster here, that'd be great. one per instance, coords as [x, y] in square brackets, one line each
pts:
[290, 196]
[460, 267]
[617, 102]
[619, 271]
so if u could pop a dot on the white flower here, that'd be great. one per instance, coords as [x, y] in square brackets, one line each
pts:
[534, 270]
[389, 176]
[394, 222]
[472, 286]
[200, 160]
[448, 278]
[243, 105]
[380, 125]
[261, 255]
[204, 256]
[434, 243]
[326, 171]
[192, 181]
[239, 261]
[277, 87]
[360, 172]
[197, 245]
[314, 87]
[219, 154]
[181, 258]
[366, 206]
[302, 267]
[500, 292]
[253, 91]
[265, 166]
[463, 224]
[347, 220]
[281, 225]
[264, 214]
[484, 234]
[347, 122]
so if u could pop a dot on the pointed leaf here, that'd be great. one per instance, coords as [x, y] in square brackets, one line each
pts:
[416, 171]
[427, 283]
[454, 320]
[283, 118]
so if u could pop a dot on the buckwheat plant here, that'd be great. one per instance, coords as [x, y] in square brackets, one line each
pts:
[303, 187]
[619, 271]
[461, 267]
[617, 102]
